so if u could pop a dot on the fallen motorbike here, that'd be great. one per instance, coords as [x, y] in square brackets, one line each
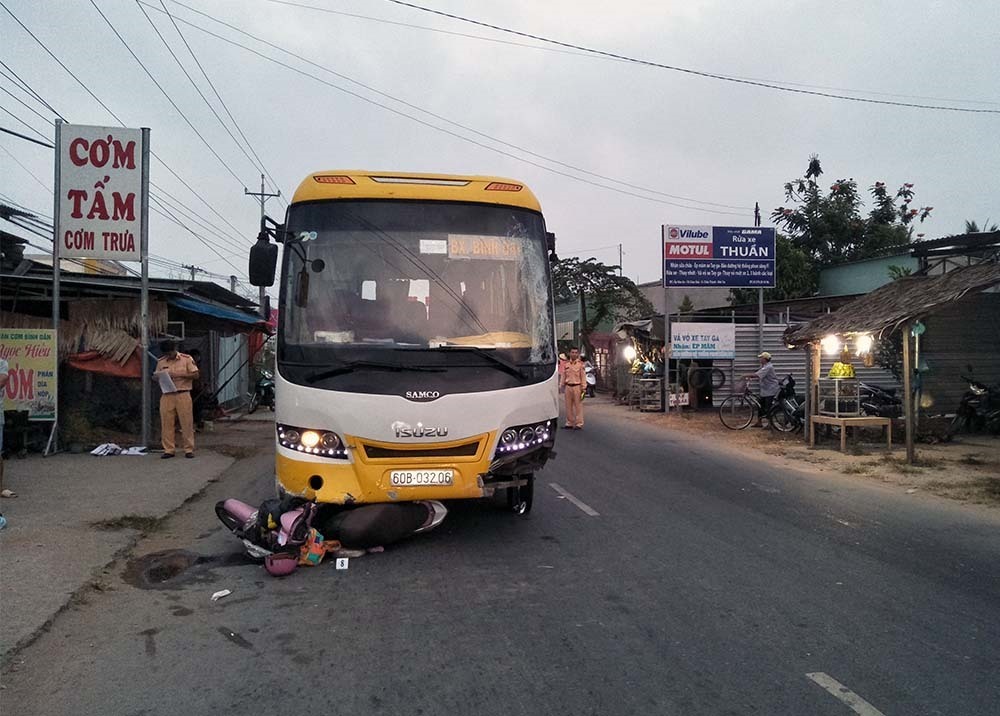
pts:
[881, 402]
[263, 393]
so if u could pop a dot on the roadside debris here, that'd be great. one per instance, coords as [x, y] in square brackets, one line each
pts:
[221, 594]
[108, 449]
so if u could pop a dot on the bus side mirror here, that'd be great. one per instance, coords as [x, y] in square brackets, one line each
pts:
[263, 262]
[550, 244]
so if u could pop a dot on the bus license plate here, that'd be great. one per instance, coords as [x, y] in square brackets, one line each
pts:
[417, 478]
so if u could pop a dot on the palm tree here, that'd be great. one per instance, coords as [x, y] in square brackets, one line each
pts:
[971, 227]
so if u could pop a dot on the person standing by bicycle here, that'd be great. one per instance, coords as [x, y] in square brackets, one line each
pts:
[770, 386]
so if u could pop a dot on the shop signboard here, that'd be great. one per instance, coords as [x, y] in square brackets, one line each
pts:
[31, 371]
[719, 256]
[100, 184]
[703, 340]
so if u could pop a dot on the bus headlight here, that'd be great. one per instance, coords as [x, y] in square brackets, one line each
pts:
[323, 443]
[526, 437]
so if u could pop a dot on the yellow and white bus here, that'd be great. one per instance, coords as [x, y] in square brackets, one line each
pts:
[416, 355]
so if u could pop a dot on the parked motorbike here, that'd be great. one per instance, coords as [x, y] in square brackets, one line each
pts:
[880, 402]
[979, 408]
[788, 412]
[263, 392]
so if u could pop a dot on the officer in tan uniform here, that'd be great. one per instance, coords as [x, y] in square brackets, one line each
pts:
[175, 405]
[574, 375]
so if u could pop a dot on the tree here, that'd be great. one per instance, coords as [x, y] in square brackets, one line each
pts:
[795, 275]
[830, 227]
[606, 295]
[687, 306]
[971, 227]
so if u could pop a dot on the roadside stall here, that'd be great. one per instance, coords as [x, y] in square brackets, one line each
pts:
[858, 330]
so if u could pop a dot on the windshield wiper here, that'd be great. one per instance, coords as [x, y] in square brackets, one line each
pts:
[353, 365]
[497, 361]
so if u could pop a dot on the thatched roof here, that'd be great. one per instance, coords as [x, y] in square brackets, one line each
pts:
[888, 307]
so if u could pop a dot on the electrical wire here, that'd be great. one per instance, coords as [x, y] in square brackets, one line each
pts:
[690, 71]
[33, 176]
[25, 137]
[263, 168]
[197, 89]
[24, 86]
[453, 122]
[424, 122]
[111, 112]
[7, 111]
[25, 104]
[166, 94]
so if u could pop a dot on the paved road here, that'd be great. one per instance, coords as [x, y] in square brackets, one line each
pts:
[707, 583]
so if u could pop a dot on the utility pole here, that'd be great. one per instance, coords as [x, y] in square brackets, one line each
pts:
[620, 253]
[193, 269]
[263, 195]
[232, 284]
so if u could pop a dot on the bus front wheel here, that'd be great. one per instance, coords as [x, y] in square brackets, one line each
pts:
[520, 499]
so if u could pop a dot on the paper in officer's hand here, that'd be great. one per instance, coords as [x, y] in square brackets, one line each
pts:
[166, 382]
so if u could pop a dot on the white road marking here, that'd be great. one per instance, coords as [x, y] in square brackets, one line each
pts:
[582, 505]
[855, 702]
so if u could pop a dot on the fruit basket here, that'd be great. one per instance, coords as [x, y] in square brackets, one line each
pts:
[839, 397]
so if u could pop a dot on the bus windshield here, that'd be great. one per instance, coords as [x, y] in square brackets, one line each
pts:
[426, 276]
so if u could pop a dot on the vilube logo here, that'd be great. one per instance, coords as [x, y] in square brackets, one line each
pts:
[422, 395]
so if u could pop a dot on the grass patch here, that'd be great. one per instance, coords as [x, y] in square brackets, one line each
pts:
[857, 469]
[982, 490]
[973, 458]
[142, 523]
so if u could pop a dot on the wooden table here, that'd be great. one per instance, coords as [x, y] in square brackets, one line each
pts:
[845, 423]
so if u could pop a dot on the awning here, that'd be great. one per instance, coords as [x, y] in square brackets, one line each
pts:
[222, 312]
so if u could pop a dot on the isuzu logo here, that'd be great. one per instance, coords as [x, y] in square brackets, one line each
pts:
[422, 394]
[405, 430]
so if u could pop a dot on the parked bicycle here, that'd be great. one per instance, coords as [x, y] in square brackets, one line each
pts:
[740, 411]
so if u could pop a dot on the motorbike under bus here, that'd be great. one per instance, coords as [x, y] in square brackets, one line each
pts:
[416, 354]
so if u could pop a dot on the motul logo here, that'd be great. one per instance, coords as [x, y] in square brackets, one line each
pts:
[703, 251]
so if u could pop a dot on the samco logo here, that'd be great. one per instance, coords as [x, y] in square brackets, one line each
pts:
[422, 394]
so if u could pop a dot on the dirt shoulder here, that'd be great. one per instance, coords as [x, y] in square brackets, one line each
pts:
[966, 469]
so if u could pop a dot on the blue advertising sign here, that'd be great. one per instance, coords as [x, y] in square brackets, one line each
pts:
[721, 256]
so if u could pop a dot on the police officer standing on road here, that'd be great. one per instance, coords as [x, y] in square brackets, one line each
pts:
[176, 373]
[574, 375]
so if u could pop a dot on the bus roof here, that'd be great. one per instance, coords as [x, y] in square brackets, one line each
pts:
[359, 184]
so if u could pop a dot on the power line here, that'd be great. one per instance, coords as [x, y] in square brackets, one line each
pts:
[164, 92]
[530, 46]
[195, 85]
[111, 112]
[7, 111]
[690, 71]
[24, 104]
[33, 176]
[24, 86]
[430, 124]
[274, 184]
[452, 122]
[25, 137]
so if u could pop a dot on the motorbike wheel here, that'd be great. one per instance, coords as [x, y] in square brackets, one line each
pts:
[783, 422]
[254, 403]
[737, 412]
[520, 499]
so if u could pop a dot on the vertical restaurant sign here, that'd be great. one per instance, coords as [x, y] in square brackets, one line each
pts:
[31, 371]
[723, 256]
[100, 192]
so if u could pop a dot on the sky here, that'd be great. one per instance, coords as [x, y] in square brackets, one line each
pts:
[663, 132]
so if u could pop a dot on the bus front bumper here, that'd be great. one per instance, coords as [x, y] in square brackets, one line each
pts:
[375, 471]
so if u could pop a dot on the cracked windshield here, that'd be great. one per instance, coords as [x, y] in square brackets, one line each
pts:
[417, 275]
